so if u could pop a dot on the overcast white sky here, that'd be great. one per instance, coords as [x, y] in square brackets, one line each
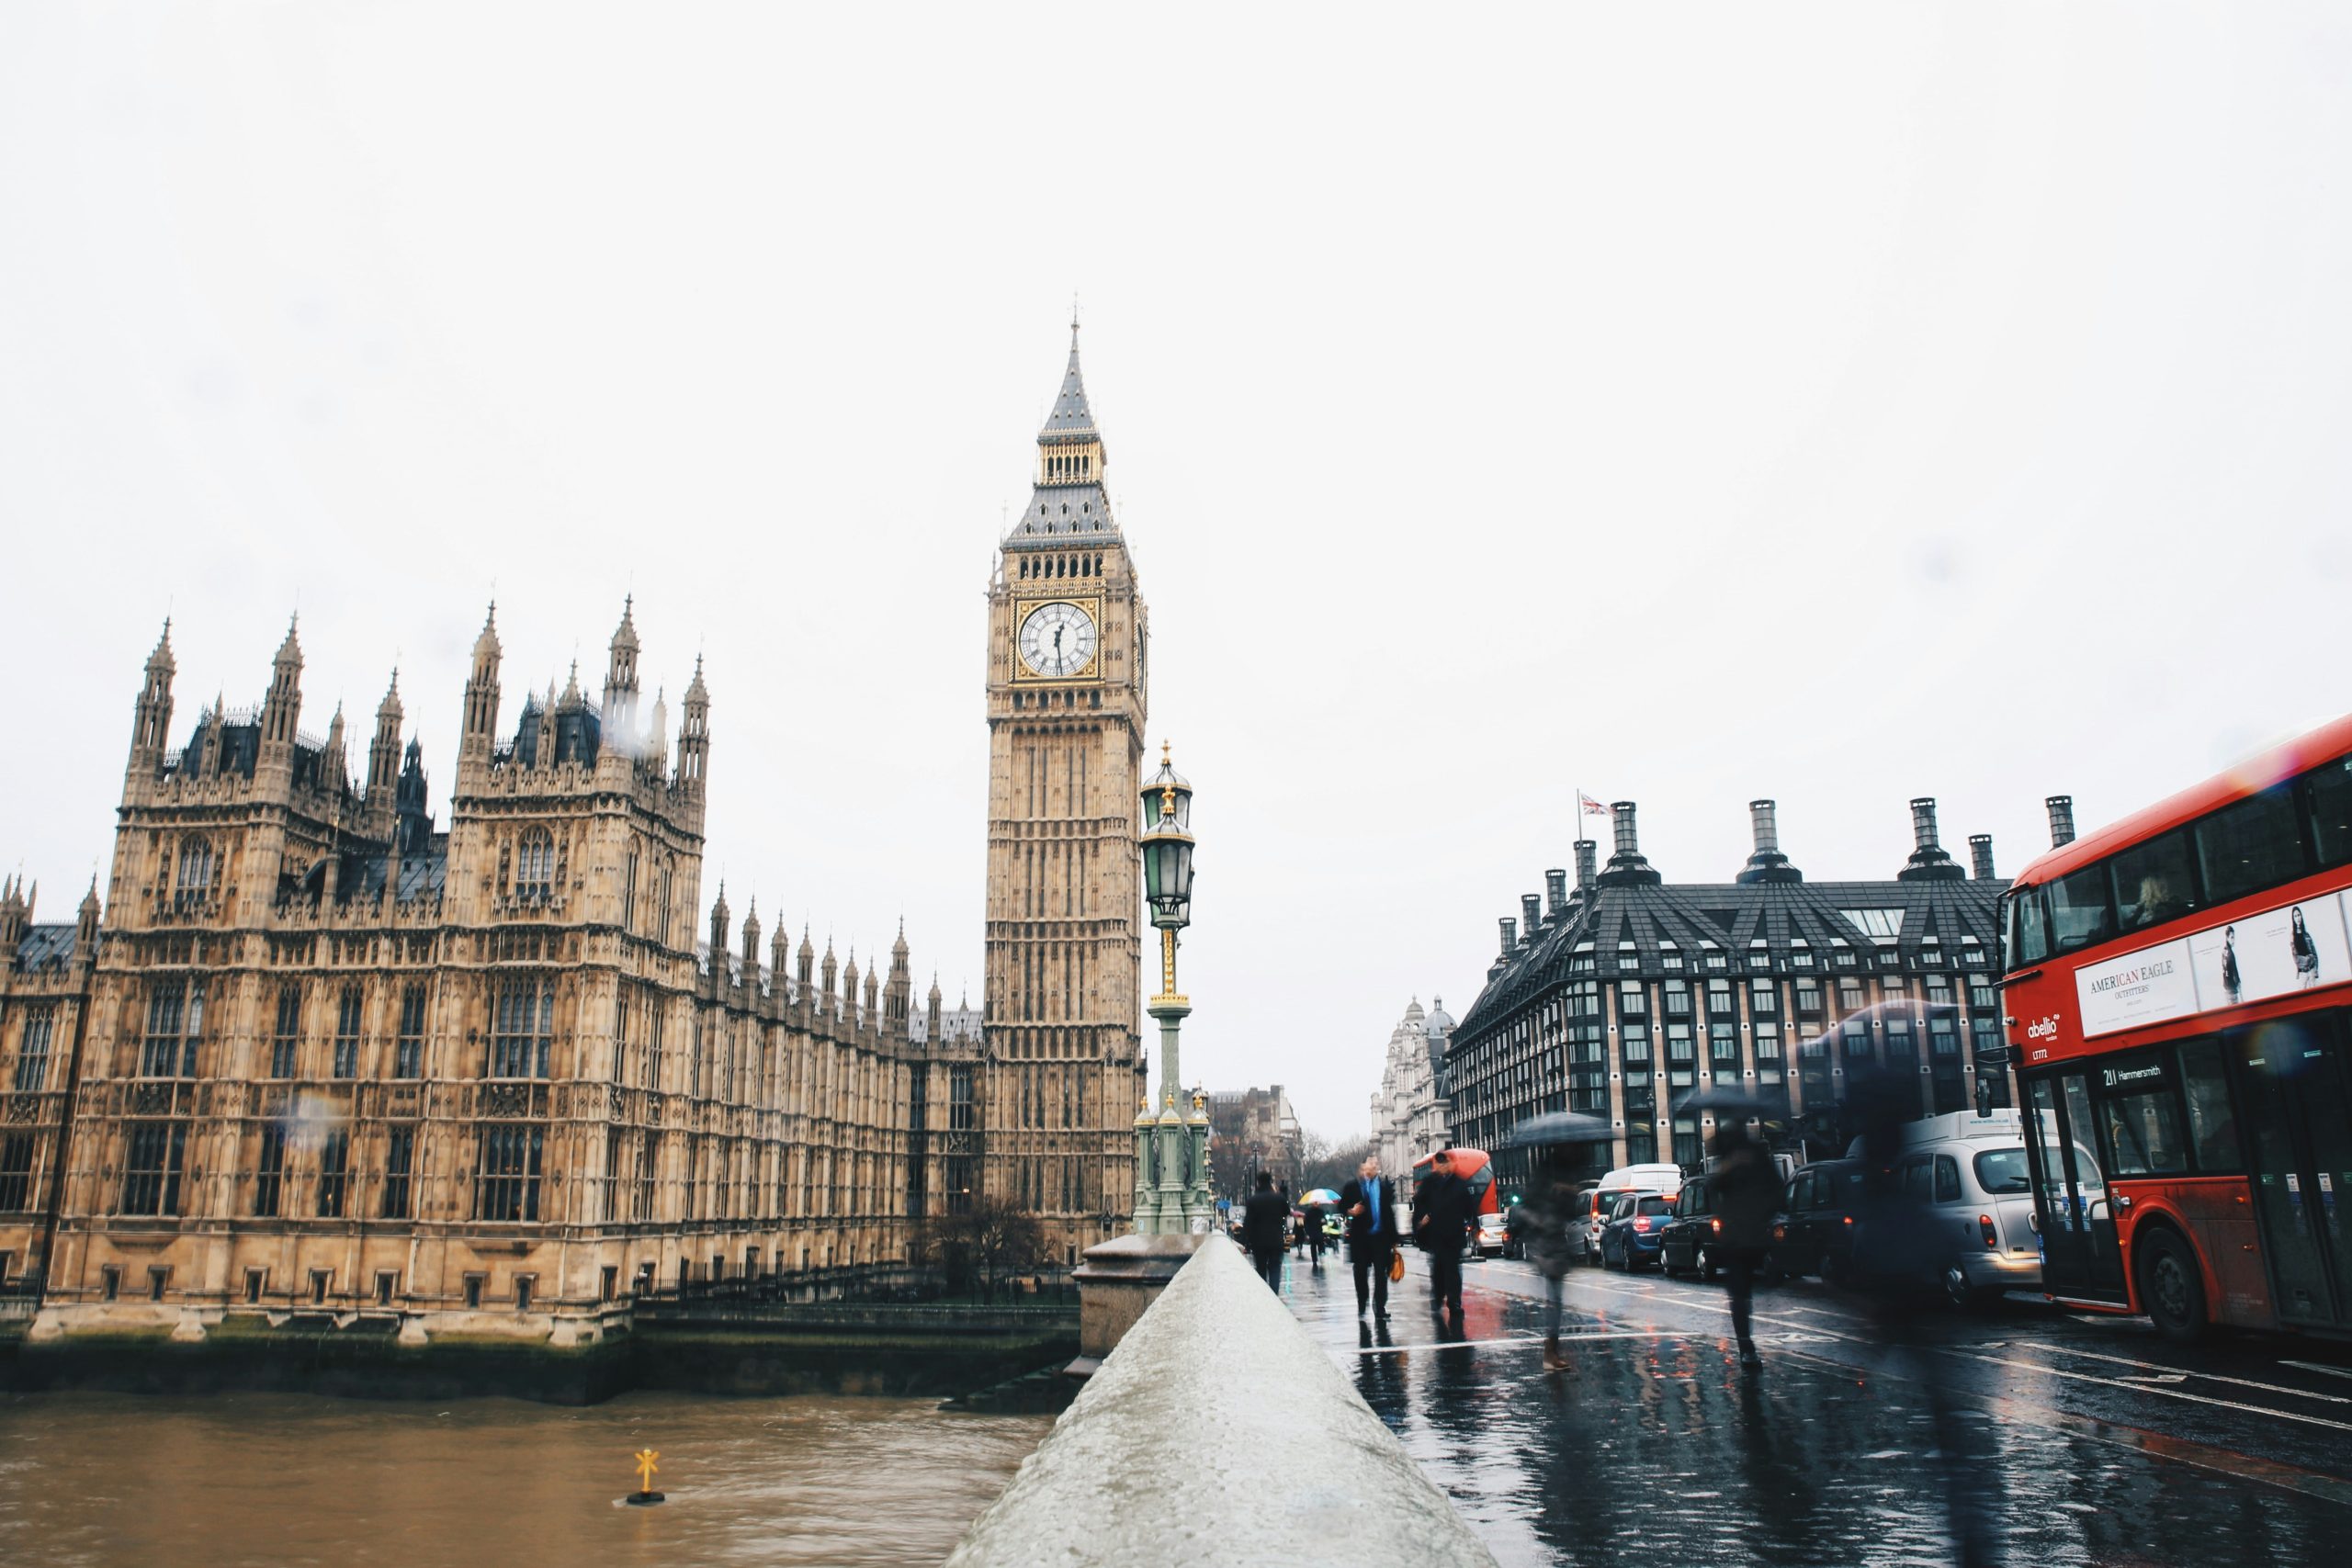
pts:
[1837, 404]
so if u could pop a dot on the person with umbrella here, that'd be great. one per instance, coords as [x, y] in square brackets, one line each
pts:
[1743, 1189]
[1315, 1201]
[1542, 1223]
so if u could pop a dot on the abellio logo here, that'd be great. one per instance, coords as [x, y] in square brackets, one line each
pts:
[2042, 1028]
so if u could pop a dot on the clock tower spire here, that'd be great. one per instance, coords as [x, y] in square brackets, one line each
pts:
[1065, 704]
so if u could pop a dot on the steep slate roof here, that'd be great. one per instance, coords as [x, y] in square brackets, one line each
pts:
[46, 944]
[1067, 513]
[1730, 916]
[1071, 419]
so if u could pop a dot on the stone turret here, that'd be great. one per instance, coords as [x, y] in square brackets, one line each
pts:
[480, 726]
[152, 721]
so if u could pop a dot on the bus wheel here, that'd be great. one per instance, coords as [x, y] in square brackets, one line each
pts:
[2171, 1288]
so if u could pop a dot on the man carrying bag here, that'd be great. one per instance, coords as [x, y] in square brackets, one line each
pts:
[1369, 1201]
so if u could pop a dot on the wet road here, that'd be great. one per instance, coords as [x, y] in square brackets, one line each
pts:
[2070, 1439]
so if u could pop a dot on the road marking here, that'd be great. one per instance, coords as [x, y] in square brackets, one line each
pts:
[2315, 1367]
[2170, 1373]
[2180, 1450]
[1514, 1339]
[2148, 1388]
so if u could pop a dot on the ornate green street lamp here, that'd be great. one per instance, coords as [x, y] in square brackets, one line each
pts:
[1172, 1148]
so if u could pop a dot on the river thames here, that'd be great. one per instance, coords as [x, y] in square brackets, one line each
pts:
[106, 1480]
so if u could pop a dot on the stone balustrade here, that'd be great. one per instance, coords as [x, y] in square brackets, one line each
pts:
[1217, 1432]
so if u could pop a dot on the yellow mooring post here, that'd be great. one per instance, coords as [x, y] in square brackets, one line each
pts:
[645, 1469]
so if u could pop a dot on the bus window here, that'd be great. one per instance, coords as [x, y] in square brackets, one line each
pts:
[2143, 1135]
[2251, 846]
[2152, 882]
[2079, 908]
[2028, 927]
[2331, 794]
[2210, 1125]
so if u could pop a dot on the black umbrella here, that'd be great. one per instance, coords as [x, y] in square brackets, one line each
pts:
[1737, 1101]
[1559, 1127]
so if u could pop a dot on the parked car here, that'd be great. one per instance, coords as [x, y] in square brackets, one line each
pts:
[1635, 1227]
[1491, 1236]
[1591, 1215]
[1816, 1232]
[1682, 1243]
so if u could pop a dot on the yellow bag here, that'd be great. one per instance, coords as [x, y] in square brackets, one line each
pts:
[1395, 1264]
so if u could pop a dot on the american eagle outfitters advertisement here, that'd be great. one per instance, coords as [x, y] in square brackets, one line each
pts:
[2294, 947]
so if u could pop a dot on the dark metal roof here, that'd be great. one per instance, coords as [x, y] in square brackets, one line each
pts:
[1729, 917]
[422, 875]
[1071, 419]
[46, 945]
[1066, 514]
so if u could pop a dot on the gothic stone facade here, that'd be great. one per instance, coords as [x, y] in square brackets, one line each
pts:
[1067, 632]
[325, 1056]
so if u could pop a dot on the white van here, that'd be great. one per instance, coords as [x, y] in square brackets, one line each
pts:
[1592, 1205]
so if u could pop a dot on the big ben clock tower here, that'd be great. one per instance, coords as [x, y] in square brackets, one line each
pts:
[1067, 634]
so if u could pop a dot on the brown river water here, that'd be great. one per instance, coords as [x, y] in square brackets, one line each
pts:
[102, 1480]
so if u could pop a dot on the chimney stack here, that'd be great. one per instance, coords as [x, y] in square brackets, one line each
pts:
[1531, 908]
[1768, 864]
[1555, 891]
[1980, 855]
[1510, 934]
[2061, 819]
[1928, 862]
[1626, 868]
[1587, 856]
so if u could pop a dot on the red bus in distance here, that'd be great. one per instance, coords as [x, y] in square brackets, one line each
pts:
[2178, 994]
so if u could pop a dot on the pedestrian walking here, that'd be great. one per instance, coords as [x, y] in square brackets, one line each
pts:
[1442, 1224]
[1315, 1237]
[1541, 1227]
[1369, 1201]
[1744, 1191]
[1265, 1220]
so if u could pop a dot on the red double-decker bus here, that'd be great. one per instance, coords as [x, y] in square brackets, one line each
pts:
[2179, 997]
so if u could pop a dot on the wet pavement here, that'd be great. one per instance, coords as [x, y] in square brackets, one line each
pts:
[2060, 1439]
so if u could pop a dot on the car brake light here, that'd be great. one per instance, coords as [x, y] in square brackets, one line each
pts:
[1715, 1226]
[1849, 1220]
[1779, 1233]
[1641, 1224]
[1985, 1228]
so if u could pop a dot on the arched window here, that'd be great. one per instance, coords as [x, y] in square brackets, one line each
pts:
[535, 864]
[195, 885]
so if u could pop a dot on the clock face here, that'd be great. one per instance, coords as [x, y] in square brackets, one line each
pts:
[1057, 639]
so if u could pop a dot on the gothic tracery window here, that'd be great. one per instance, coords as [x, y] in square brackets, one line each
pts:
[535, 864]
[195, 885]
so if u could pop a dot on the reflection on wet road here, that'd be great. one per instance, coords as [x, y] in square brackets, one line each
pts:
[2085, 1441]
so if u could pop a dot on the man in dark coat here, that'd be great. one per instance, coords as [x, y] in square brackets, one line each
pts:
[1369, 1201]
[1442, 1224]
[1265, 1225]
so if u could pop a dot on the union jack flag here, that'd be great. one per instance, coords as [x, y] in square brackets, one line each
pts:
[1591, 806]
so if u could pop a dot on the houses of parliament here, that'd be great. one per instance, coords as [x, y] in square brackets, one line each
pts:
[308, 1050]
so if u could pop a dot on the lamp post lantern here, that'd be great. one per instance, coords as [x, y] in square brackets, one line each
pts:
[1171, 1137]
